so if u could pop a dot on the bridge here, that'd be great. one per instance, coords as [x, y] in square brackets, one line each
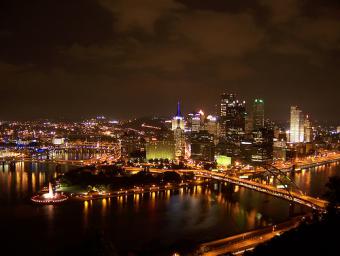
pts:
[296, 197]
[288, 194]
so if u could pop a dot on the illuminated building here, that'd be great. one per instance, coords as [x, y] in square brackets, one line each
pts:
[195, 121]
[58, 141]
[246, 148]
[179, 143]
[232, 115]
[202, 146]
[211, 125]
[178, 120]
[262, 145]
[223, 161]
[258, 114]
[279, 150]
[248, 124]
[179, 137]
[308, 131]
[160, 150]
[296, 125]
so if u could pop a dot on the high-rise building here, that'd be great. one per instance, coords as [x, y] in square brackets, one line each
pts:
[211, 125]
[249, 123]
[262, 145]
[179, 136]
[202, 146]
[232, 115]
[308, 131]
[296, 125]
[195, 121]
[178, 120]
[258, 114]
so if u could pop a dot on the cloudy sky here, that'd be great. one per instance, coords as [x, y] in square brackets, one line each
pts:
[131, 58]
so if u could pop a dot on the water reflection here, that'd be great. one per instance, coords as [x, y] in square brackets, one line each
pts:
[161, 219]
[104, 206]
[311, 181]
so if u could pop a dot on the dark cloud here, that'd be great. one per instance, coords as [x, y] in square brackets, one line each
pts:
[129, 58]
[131, 14]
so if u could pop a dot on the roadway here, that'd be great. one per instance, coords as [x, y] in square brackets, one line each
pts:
[246, 241]
[268, 189]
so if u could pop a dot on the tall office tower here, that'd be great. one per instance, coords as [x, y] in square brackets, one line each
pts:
[195, 121]
[211, 125]
[232, 115]
[308, 131]
[202, 146]
[179, 138]
[249, 123]
[262, 145]
[296, 125]
[178, 120]
[258, 114]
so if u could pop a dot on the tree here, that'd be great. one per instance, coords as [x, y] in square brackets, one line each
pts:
[333, 195]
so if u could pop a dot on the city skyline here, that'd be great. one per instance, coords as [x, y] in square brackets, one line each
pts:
[80, 58]
[169, 127]
[216, 112]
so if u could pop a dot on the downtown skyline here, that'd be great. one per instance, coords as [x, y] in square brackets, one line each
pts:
[169, 127]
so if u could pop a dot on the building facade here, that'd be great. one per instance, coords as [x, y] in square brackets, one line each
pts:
[296, 125]
[308, 130]
[232, 114]
[258, 114]
[177, 120]
[160, 150]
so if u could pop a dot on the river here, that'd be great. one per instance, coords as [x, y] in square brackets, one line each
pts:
[159, 223]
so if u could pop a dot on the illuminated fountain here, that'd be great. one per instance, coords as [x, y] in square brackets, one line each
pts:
[49, 198]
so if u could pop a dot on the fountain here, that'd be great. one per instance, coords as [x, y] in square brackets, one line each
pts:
[49, 198]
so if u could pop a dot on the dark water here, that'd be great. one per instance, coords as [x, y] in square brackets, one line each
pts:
[153, 224]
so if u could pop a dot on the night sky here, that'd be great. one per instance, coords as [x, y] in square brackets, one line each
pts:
[133, 58]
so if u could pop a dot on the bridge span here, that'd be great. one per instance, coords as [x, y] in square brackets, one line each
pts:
[292, 196]
[299, 198]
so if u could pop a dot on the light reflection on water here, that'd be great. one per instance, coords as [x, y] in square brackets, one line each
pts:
[312, 181]
[196, 214]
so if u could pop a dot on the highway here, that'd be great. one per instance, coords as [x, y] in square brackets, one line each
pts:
[246, 241]
[268, 189]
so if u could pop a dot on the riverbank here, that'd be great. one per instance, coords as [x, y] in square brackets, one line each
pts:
[85, 196]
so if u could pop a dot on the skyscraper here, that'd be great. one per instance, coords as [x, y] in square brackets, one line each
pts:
[232, 115]
[296, 125]
[258, 114]
[308, 132]
[179, 137]
[202, 146]
[249, 123]
[262, 145]
[195, 121]
[211, 125]
[178, 120]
